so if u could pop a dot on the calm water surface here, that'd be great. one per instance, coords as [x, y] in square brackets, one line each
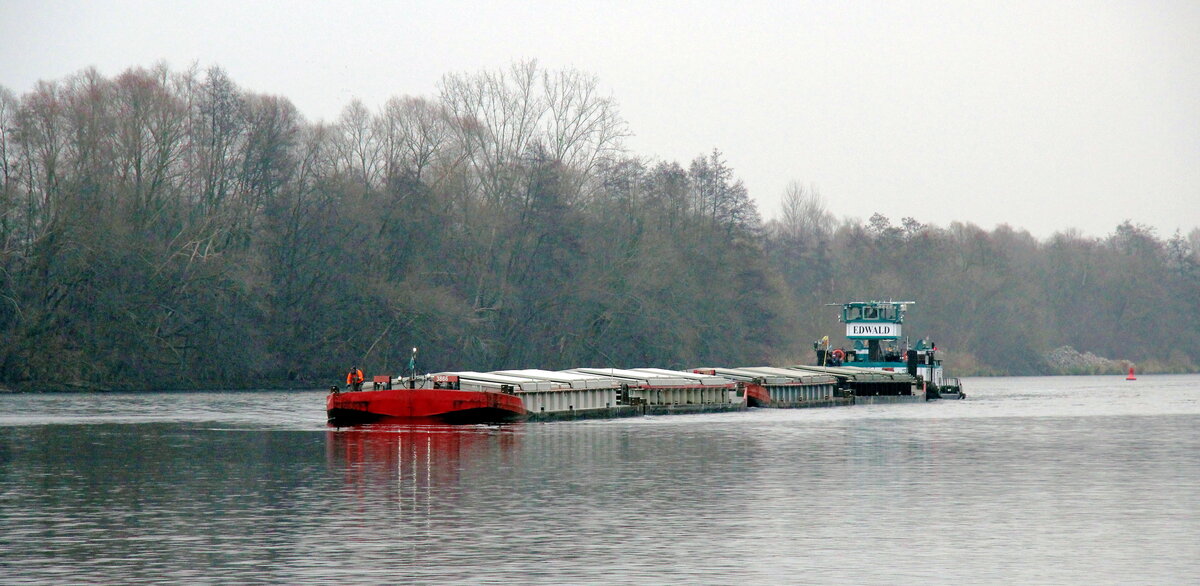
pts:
[1078, 480]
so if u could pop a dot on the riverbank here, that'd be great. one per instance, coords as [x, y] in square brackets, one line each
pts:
[1067, 361]
[1089, 368]
[160, 386]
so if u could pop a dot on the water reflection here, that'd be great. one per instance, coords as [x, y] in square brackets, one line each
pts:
[416, 464]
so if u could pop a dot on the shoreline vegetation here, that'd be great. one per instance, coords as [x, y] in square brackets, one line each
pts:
[169, 229]
[297, 386]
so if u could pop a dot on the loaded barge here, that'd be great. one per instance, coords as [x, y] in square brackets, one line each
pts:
[590, 393]
[879, 368]
[784, 387]
[538, 395]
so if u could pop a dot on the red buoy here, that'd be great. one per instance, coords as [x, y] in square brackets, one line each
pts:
[1131, 377]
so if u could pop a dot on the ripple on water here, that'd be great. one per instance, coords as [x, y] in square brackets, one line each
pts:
[1030, 480]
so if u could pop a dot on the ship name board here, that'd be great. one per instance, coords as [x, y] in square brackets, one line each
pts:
[873, 330]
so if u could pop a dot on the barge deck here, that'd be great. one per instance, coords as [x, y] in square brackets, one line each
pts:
[603, 393]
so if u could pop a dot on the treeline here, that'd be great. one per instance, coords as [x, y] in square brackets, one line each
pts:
[1003, 302]
[171, 229]
[166, 229]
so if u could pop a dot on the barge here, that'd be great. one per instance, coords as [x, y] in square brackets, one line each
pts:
[439, 398]
[591, 393]
[534, 395]
[870, 387]
[783, 388]
[880, 366]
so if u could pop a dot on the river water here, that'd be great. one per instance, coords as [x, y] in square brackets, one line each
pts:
[1049, 480]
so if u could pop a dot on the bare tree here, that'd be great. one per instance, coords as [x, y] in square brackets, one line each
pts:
[583, 128]
[805, 216]
[413, 133]
[148, 140]
[359, 146]
[217, 128]
[267, 157]
[495, 118]
[42, 136]
[9, 169]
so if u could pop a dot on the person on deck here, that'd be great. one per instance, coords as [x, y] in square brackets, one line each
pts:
[354, 379]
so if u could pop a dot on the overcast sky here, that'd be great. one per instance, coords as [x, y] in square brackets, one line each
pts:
[1042, 115]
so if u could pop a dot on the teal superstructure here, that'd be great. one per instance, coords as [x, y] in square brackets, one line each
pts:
[875, 330]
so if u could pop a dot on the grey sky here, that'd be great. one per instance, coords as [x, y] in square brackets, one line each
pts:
[1041, 115]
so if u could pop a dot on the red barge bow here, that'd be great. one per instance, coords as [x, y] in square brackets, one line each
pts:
[443, 403]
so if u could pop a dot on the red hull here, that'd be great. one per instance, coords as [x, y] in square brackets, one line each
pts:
[757, 395]
[423, 406]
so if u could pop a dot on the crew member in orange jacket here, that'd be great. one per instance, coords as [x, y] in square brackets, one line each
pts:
[354, 379]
